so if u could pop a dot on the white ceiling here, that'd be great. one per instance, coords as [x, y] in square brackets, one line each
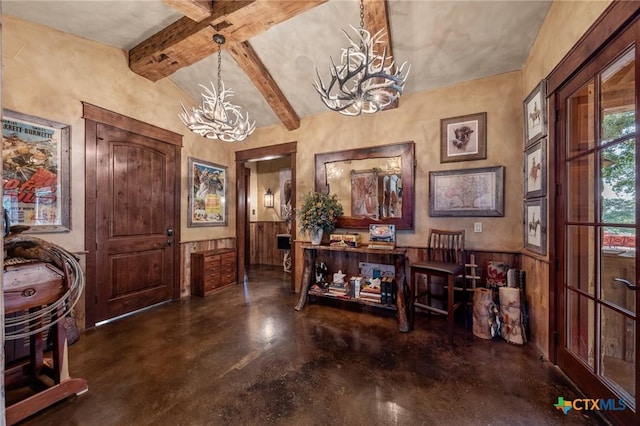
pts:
[444, 41]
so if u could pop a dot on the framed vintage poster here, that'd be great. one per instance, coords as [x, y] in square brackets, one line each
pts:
[467, 192]
[463, 138]
[535, 114]
[535, 225]
[535, 169]
[364, 193]
[207, 194]
[36, 181]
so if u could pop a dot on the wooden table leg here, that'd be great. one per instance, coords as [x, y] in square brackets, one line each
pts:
[403, 323]
[307, 274]
[450, 308]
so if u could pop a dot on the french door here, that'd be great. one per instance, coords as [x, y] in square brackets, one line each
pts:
[598, 224]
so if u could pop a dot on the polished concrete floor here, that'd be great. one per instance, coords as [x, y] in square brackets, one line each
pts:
[244, 356]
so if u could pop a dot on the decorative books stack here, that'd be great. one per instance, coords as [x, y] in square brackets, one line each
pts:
[339, 289]
[371, 291]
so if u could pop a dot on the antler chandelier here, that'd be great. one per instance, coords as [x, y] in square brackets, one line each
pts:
[218, 118]
[364, 82]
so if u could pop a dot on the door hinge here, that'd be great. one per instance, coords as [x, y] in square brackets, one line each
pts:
[556, 264]
[556, 338]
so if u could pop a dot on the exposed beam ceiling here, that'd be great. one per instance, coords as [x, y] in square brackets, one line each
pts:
[188, 41]
[258, 73]
[197, 10]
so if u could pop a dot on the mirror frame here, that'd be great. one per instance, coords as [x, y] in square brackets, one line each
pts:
[404, 150]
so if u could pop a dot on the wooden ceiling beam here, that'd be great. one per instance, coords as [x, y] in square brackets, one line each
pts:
[258, 73]
[186, 41]
[196, 10]
[376, 18]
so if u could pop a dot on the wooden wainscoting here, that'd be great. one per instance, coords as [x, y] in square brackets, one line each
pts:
[537, 279]
[189, 247]
[264, 247]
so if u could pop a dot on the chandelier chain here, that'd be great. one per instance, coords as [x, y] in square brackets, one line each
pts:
[219, 68]
[362, 14]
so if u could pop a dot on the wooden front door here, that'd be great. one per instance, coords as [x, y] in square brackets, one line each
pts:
[132, 219]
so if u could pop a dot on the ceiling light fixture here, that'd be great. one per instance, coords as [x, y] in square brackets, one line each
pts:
[364, 82]
[218, 118]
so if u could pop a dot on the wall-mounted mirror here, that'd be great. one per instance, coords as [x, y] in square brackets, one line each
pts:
[374, 184]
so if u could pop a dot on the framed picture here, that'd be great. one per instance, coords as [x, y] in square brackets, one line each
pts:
[535, 169]
[207, 194]
[364, 193]
[463, 138]
[535, 225]
[535, 114]
[35, 158]
[469, 192]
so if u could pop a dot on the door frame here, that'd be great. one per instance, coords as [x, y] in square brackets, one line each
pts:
[618, 17]
[242, 223]
[613, 20]
[93, 116]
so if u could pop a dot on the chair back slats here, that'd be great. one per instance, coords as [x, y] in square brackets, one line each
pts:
[446, 246]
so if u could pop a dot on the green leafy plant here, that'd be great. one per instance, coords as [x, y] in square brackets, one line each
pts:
[318, 211]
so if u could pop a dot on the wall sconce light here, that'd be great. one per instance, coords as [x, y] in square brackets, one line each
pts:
[268, 198]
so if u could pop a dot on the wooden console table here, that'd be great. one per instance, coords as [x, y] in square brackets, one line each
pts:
[346, 259]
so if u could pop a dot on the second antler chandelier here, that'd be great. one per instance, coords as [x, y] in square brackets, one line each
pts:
[365, 81]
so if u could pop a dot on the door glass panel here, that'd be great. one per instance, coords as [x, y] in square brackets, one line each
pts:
[581, 123]
[619, 182]
[580, 189]
[617, 98]
[618, 261]
[580, 258]
[618, 351]
[580, 327]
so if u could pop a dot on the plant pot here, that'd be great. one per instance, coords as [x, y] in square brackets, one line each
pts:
[316, 237]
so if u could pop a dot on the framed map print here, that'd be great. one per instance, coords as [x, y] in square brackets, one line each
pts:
[467, 192]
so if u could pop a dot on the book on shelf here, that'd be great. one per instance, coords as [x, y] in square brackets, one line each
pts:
[382, 237]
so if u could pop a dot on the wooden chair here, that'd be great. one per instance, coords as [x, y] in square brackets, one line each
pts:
[446, 259]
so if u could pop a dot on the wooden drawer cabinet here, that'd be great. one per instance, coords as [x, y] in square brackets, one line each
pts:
[212, 269]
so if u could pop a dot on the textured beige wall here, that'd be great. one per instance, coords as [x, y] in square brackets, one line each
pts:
[418, 119]
[47, 73]
[563, 26]
[565, 23]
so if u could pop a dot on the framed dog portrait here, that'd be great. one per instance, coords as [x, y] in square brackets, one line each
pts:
[207, 194]
[463, 138]
[535, 169]
[535, 114]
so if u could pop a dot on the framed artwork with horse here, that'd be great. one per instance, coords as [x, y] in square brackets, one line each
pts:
[463, 138]
[535, 225]
[535, 114]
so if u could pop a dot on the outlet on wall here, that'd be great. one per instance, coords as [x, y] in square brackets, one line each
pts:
[477, 227]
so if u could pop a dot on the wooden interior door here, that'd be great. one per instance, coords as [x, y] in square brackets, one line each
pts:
[133, 197]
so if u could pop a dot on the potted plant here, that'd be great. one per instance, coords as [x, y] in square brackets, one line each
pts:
[318, 213]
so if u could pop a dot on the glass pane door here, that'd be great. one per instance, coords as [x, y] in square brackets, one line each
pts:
[600, 227]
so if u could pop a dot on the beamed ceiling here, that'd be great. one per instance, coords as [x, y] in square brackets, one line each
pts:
[274, 46]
